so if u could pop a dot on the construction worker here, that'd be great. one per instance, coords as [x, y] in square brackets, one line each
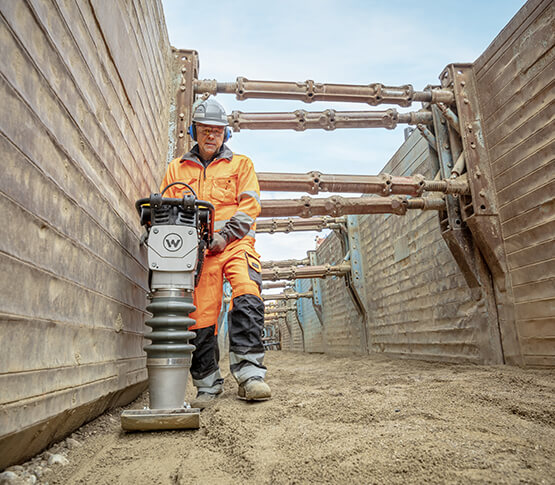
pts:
[228, 181]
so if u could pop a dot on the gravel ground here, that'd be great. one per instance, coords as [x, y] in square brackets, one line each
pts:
[333, 420]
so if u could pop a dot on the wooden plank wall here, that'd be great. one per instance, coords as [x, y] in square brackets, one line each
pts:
[85, 96]
[515, 77]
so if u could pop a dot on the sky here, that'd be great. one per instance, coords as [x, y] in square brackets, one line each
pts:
[330, 41]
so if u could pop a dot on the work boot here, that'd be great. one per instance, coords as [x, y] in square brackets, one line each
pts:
[254, 389]
[204, 400]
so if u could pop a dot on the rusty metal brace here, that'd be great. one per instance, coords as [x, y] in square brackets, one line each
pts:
[310, 91]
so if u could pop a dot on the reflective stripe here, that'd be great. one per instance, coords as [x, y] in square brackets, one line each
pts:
[242, 217]
[212, 383]
[256, 358]
[245, 366]
[249, 193]
[219, 225]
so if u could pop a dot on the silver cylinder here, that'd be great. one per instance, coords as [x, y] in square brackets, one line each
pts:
[167, 381]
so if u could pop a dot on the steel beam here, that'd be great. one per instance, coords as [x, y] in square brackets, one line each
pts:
[309, 91]
[295, 272]
[187, 62]
[481, 213]
[329, 119]
[316, 286]
[338, 206]
[315, 182]
[453, 230]
[293, 224]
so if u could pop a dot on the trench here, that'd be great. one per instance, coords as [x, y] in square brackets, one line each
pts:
[366, 419]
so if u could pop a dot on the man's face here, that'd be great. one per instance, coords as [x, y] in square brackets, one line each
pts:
[209, 138]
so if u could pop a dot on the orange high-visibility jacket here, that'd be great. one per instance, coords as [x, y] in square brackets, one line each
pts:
[229, 182]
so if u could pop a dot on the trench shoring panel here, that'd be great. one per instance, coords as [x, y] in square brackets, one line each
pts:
[418, 304]
[86, 86]
[515, 79]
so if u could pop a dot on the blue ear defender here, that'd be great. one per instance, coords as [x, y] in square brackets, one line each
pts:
[192, 132]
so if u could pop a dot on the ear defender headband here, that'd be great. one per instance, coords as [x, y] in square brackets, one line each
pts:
[192, 132]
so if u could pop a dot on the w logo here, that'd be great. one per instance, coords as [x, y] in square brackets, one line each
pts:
[173, 242]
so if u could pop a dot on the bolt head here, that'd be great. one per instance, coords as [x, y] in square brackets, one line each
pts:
[155, 231]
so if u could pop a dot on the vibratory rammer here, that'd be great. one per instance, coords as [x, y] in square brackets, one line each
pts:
[178, 233]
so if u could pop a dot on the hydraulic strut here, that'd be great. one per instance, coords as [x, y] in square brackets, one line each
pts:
[287, 296]
[296, 224]
[329, 119]
[300, 272]
[275, 284]
[178, 232]
[309, 91]
[384, 184]
[286, 262]
[338, 206]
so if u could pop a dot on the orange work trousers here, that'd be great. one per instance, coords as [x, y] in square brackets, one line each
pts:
[240, 264]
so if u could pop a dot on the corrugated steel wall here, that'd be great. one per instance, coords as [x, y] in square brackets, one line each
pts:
[85, 99]
[418, 304]
[515, 78]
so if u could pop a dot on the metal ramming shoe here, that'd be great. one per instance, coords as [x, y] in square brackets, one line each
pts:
[178, 233]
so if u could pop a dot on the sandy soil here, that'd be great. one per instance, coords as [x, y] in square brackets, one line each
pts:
[341, 420]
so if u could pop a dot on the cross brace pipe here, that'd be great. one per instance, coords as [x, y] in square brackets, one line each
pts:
[338, 206]
[329, 119]
[383, 184]
[277, 311]
[285, 263]
[287, 296]
[309, 91]
[275, 284]
[292, 224]
[304, 272]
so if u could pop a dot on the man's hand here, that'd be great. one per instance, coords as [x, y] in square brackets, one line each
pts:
[218, 243]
